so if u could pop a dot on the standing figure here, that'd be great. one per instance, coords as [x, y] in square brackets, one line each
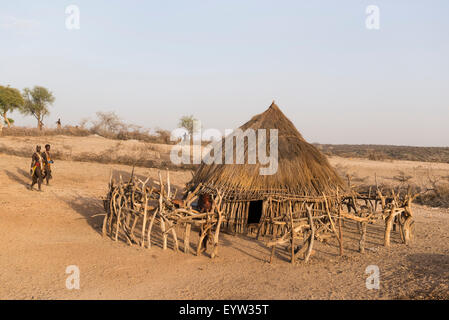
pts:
[47, 164]
[36, 168]
[58, 123]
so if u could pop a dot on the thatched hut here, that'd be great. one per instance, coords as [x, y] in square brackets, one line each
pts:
[303, 176]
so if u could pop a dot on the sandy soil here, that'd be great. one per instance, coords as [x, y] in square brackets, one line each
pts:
[43, 233]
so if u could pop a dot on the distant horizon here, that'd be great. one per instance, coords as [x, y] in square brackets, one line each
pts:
[338, 81]
[152, 131]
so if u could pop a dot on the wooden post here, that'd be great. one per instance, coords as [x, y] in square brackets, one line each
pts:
[292, 230]
[217, 234]
[388, 225]
[187, 238]
[164, 233]
[168, 185]
[340, 229]
[312, 233]
[332, 223]
[150, 227]
[363, 236]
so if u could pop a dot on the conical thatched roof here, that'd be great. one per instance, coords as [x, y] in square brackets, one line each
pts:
[302, 169]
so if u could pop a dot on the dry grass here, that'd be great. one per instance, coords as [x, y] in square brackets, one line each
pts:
[140, 154]
[385, 153]
[161, 136]
[34, 132]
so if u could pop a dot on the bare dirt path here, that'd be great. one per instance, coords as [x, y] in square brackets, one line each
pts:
[43, 233]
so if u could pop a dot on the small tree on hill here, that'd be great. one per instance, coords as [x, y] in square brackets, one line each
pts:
[36, 103]
[187, 122]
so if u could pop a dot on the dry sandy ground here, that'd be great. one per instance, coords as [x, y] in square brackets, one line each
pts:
[43, 233]
[364, 171]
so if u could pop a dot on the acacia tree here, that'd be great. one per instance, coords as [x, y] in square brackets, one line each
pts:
[36, 103]
[187, 123]
[10, 99]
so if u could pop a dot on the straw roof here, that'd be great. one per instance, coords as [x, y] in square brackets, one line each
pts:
[302, 169]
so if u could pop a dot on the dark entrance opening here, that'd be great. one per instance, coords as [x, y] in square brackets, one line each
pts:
[255, 211]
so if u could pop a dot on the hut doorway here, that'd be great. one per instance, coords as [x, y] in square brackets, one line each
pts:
[255, 211]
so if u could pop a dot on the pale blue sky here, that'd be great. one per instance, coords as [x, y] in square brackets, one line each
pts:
[226, 60]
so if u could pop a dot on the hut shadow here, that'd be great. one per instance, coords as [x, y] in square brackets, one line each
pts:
[330, 248]
[248, 245]
[429, 265]
[24, 173]
[430, 271]
[90, 209]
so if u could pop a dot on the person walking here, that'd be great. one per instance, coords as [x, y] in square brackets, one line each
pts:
[47, 161]
[36, 169]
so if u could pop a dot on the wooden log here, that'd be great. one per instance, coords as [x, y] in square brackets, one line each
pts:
[171, 228]
[363, 236]
[187, 237]
[292, 237]
[131, 232]
[204, 230]
[164, 233]
[168, 185]
[113, 208]
[340, 228]
[150, 227]
[108, 213]
[332, 223]
[117, 227]
[312, 234]
[144, 223]
[216, 236]
[389, 224]
[407, 229]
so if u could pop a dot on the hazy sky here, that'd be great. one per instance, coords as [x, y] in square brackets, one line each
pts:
[226, 60]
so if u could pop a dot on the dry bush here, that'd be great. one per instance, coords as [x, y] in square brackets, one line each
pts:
[436, 191]
[402, 177]
[351, 177]
[377, 156]
[164, 136]
[438, 197]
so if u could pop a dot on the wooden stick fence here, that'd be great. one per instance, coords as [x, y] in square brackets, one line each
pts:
[290, 221]
[133, 202]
